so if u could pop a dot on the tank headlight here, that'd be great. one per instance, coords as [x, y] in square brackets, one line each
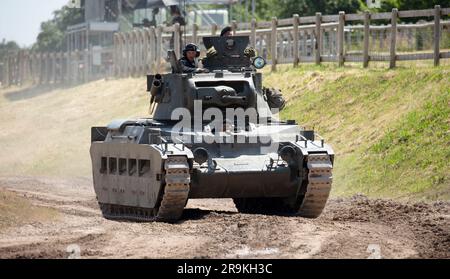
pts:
[200, 155]
[287, 153]
[259, 62]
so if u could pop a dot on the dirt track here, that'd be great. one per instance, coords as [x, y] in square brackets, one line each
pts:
[349, 228]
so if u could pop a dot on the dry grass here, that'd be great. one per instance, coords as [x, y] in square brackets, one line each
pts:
[16, 210]
[47, 132]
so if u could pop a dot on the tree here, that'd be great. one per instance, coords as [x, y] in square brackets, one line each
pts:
[388, 5]
[266, 9]
[309, 7]
[51, 37]
[7, 47]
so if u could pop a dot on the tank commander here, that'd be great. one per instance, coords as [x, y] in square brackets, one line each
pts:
[228, 32]
[188, 61]
[273, 96]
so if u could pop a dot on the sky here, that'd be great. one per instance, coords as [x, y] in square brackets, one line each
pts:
[20, 20]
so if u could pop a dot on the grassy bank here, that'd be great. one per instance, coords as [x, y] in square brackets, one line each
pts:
[390, 128]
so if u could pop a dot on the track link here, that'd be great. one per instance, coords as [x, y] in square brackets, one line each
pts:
[174, 198]
[319, 185]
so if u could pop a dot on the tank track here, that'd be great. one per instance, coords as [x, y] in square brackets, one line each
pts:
[319, 186]
[173, 201]
[309, 205]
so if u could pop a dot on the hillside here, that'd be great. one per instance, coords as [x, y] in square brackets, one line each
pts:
[389, 127]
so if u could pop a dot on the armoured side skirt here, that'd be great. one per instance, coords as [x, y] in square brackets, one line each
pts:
[222, 184]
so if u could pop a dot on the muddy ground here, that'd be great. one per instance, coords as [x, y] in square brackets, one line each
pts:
[356, 227]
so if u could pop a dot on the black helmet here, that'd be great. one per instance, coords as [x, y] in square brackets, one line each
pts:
[226, 30]
[191, 47]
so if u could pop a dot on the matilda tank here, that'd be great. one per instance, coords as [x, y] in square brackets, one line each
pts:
[210, 135]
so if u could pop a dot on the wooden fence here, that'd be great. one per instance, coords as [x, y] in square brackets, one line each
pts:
[338, 38]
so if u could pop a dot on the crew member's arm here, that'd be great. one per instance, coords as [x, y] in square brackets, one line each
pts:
[186, 67]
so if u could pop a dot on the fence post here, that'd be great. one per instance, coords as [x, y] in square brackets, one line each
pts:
[296, 21]
[30, 67]
[69, 67]
[126, 52]
[20, 63]
[194, 33]
[317, 45]
[53, 67]
[176, 38]
[253, 33]
[116, 54]
[9, 68]
[87, 65]
[6, 72]
[74, 66]
[126, 62]
[152, 49]
[57, 67]
[341, 38]
[273, 47]
[146, 52]
[213, 29]
[47, 68]
[437, 31]
[159, 43]
[135, 53]
[234, 27]
[139, 52]
[130, 53]
[393, 38]
[366, 39]
[64, 68]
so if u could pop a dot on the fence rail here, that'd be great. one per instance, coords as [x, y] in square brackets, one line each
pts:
[321, 38]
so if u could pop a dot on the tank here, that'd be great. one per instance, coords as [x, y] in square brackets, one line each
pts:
[210, 135]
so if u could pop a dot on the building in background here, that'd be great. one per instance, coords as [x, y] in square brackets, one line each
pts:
[102, 18]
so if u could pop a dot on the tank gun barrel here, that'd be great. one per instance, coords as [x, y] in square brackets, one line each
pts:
[156, 87]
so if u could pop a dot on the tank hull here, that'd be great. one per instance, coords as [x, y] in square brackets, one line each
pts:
[131, 173]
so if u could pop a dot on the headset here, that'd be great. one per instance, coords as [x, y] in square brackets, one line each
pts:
[191, 47]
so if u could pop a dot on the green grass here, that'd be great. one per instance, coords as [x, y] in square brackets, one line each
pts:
[389, 128]
[414, 156]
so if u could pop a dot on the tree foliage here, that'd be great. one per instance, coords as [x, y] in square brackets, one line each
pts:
[51, 36]
[7, 47]
[265, 9]
[308, 7]
[387, 5]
